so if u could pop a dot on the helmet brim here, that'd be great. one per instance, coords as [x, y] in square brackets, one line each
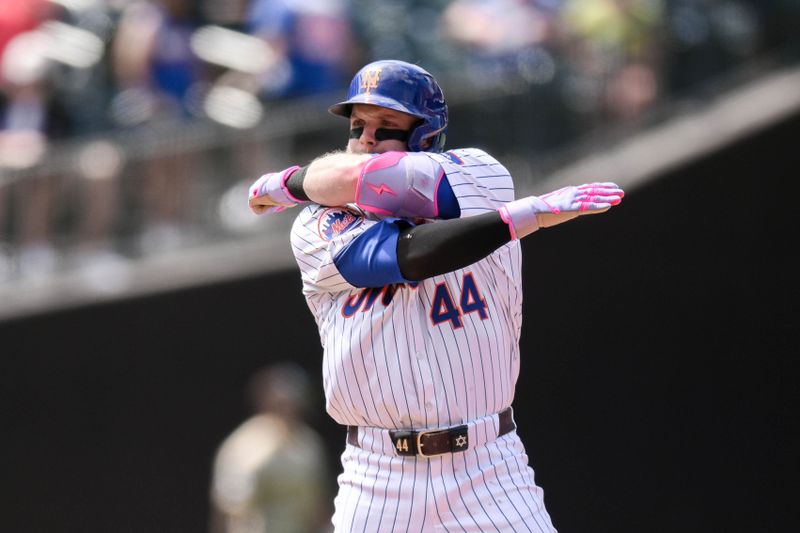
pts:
[344, 109]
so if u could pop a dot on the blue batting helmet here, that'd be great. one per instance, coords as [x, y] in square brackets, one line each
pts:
[403, 87]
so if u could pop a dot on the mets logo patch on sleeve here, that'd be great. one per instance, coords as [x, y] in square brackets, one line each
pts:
[334, 221]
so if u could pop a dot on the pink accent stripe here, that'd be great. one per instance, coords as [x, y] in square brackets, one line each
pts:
[384, 160]
[382, 189]
[375, 210]
[359, 180]
[506, 216]
[436, 195]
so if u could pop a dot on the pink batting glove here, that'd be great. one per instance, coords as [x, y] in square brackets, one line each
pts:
[269, 193]
[527, 215]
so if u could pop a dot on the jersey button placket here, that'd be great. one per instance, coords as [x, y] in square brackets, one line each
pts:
[424, 374]
[427, 389]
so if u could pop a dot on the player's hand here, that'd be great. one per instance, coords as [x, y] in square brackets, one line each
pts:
[269, 193]
[565, 204]
[526, 215]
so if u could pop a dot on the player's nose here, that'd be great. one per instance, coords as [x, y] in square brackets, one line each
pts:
[367, 137]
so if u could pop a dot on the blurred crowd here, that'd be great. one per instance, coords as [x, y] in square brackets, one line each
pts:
[82, 73]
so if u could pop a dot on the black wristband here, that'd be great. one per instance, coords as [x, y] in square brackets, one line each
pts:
[295, 184]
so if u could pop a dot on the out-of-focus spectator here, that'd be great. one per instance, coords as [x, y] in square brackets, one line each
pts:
[31, 115]
[154, 67]
[18, 16]
[315, 39]
[409, 31]
[93, 248]
[230, 14]
[93, 186]
[88, 27]
[158, 78]
[502, 39]
[511, 47]
[710, 37]
[270, 475]
[614, 54]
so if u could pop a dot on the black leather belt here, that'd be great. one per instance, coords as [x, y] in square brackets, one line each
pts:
[431, 442]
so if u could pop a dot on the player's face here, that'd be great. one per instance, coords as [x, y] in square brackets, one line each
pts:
[371, 118]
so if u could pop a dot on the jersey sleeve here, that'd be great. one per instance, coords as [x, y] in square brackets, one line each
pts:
[318, 233]
[338, 249]
[370, 259]
[479, 182]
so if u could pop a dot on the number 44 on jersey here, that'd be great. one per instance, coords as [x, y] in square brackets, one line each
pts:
[444, 307]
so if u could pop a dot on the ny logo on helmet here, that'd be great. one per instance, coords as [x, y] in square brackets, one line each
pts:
[369, 80]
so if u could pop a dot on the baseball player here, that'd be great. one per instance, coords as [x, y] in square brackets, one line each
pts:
[411, 265]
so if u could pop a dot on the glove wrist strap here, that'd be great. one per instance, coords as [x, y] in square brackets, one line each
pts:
[520, 215]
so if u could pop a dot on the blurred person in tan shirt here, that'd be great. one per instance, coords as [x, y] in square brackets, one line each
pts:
[270, 474]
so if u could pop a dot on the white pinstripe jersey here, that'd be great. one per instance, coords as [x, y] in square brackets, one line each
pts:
[438, 354]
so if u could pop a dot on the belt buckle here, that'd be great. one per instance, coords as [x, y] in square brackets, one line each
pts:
[419, 442]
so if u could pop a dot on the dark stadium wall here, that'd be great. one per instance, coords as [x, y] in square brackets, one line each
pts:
[663, 344]
[659, 371]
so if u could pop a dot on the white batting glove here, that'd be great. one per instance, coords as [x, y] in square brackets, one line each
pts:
[527, 215]
[269, 193]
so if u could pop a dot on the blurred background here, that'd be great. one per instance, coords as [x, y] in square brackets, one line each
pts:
[139, 296]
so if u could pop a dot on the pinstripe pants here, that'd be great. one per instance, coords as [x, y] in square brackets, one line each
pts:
[489, 487]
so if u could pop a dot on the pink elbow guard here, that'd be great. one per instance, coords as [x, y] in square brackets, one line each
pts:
[401, 184]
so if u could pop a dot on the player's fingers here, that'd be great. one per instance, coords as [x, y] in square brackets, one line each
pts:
[255, 189]
[594, 203]
[612, 199]
[266, 201]
[588, 208]
[266, 210]
[601, 184]
[601, 189]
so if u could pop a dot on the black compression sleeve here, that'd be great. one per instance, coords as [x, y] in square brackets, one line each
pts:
[444, 246]
[295, 184]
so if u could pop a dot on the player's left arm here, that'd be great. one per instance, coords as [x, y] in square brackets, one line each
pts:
[396, 251]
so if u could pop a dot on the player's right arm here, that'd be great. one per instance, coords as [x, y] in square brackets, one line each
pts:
[404, 184]
[330, 180]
